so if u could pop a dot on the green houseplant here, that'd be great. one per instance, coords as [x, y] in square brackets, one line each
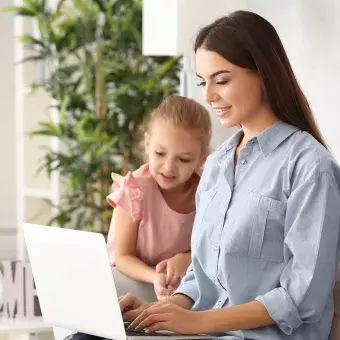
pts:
[103, 88]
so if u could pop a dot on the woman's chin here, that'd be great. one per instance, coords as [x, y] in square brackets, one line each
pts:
[227, 122]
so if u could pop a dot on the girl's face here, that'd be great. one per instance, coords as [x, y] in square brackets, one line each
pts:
[233, 92]
[174, 154]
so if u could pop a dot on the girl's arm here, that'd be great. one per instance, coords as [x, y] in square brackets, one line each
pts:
[125, 240]
[175, 267]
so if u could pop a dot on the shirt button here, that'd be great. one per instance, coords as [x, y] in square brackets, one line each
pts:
[244, 161]
[215, 248]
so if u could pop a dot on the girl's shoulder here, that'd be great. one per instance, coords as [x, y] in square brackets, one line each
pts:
[129, 192]
[143, 178]
[140, 179]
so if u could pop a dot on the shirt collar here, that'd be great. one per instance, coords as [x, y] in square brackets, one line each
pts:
[268, 140]
[233, 141]
[271, 138]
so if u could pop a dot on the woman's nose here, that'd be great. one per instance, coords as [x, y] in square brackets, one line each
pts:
[210, 95]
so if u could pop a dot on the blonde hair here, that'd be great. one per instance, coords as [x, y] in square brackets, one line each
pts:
[187, 114]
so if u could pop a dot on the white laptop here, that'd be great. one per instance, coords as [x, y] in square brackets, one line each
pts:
[75, 285]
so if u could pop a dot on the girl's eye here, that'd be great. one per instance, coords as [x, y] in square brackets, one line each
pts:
[159, 154]
[183, 160]
[201, 83]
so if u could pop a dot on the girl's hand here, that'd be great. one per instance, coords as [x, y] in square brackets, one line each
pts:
[162, 290]
[168, 316]
[175, 268]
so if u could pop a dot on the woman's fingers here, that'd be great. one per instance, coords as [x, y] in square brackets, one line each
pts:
[156, 312]
[129, 301]
[151, 321]
[170, 273]
[133, 314]
[161, 266]
[159, 326]
[141, 317]
[175, 281]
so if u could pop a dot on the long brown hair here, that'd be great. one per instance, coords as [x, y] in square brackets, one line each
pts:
[247, 40]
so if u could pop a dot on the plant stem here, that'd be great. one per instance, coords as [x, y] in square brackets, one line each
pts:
[100, 113]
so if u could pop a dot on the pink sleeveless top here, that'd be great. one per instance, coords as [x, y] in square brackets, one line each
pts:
[162, 232]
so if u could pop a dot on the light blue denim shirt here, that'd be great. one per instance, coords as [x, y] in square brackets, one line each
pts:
[267, 229]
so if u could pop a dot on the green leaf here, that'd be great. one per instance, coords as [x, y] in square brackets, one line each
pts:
[21, 11]
[103, 88]
[34, 58]
[31, 40]
[47, 129]
[106, 147]
[59, 6]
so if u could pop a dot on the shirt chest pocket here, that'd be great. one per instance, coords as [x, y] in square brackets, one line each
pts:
[256, 229]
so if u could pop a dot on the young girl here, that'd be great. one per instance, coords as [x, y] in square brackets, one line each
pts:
[149, 237]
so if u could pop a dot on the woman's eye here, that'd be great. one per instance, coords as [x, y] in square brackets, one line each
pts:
[222, 82]
[183, 160]
[201, 83]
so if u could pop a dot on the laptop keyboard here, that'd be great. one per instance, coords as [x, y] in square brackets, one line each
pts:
[141, 333]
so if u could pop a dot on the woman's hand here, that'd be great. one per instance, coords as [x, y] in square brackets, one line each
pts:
[168, 316]
[131, 306]
[175, 268]
[162, 290]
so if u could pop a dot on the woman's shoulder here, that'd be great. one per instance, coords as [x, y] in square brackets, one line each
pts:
[305, 149]
[310, 158]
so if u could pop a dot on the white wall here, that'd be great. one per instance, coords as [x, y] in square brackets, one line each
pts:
[8, 212]
[22, 190]
[170, 27]
[310, 31]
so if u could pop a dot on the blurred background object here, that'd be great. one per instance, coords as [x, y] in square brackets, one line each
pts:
[101, 90]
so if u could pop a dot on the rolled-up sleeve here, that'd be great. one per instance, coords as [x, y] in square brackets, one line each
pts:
[312, 247]
[189, 285]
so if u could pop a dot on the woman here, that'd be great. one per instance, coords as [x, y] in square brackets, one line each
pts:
[265, 244]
